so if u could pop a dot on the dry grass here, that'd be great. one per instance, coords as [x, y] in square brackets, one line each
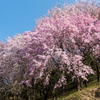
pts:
[88, 93]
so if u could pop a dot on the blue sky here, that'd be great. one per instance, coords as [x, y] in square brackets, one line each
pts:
[18, 16]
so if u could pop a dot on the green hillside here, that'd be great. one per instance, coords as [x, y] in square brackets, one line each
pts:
[92, 92]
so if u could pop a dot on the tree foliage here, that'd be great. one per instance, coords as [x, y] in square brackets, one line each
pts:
[61, 41]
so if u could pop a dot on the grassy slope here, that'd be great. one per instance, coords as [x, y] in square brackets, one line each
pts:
[88, 93]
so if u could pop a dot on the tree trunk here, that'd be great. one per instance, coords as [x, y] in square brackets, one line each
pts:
[97, 73]
[34, 90]
[40, 93]
[63, 88]
[85, 83]
[55, 98]
[29, 98]
[78, 84]
[13, 97]
[45, 95]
